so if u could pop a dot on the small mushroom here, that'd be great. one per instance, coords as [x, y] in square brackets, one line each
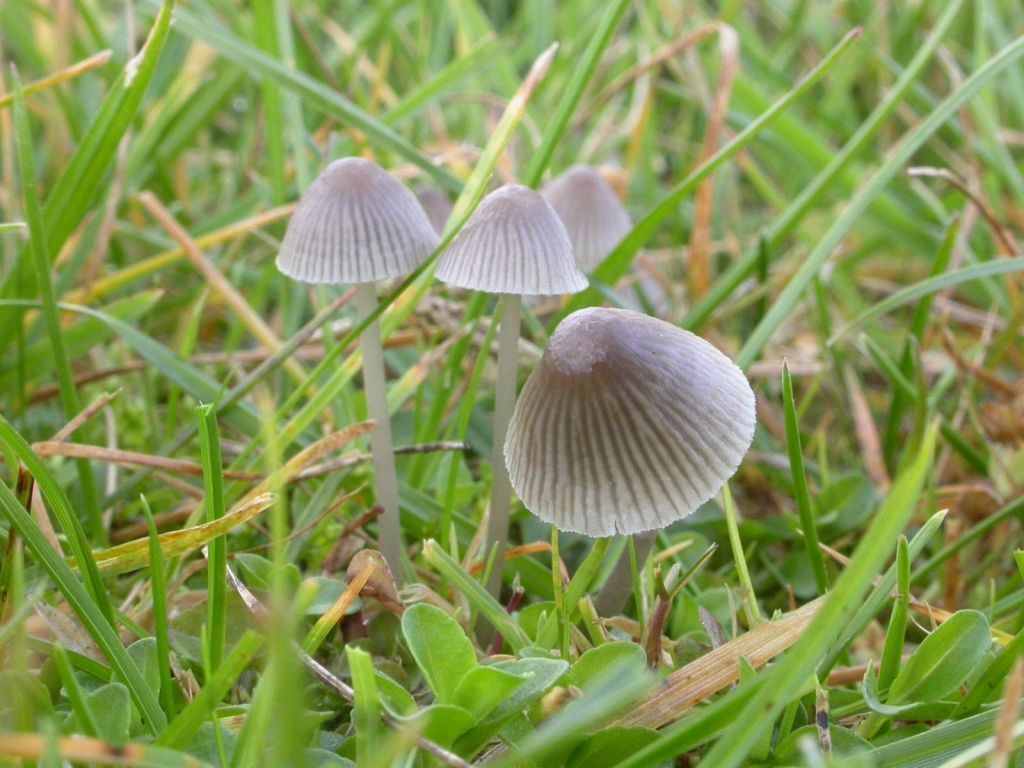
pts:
[593, 216]
[357, 224]
[627, 424]
[514, 244]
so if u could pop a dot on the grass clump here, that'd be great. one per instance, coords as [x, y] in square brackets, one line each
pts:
[189, 532]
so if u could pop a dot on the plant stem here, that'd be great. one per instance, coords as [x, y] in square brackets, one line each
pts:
[746, 586]
[380, 438]
[504, 399]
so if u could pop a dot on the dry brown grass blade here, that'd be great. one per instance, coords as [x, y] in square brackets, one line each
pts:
[81, 750]
[87, 413]
[49, 448]
[146, 267]
[95, 61]
[133, 555]
[311, 455]
[220, 284]
[699, 265]
[719, 668]
[867, 434]
[1008, 714]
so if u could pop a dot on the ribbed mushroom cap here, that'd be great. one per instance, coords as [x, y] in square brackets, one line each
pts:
[591, 211]
[513, 243]
[627, 424]
[355, 224]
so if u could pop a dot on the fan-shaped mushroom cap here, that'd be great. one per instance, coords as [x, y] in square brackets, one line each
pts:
[355, 224]
[627, 424]
[591, 211]
[513, 243]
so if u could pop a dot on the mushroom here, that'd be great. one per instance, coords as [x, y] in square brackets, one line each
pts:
[514, 244]
[593, 216]
[627, 424]
[356, 224]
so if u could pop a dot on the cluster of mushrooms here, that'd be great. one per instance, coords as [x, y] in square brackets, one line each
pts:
[627, 424]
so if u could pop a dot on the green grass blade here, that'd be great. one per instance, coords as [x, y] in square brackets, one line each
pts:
[78, 186]
[86, 608]
[897, 159]
[786, 678]
[932, 285]
[216, 571]
[797, 211]
[40, 251]
[478, 597]
[199, 709]
[158, 587]
[803, 497]
[617, 262]
[316, 94]
[61, 509]
[582, 71]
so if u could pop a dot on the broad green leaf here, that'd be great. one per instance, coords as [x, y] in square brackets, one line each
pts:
[440, 647]
[874, 701]
[111, 708]
[393, 697]
[441, 723]
[143, 653]
[484, 688]
[592, 664]
[943, 660]
[539, 676]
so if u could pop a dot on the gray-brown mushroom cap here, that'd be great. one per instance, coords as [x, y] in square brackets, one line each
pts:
[355, 224]
[591, 211]
[513, 243]
[627, 424]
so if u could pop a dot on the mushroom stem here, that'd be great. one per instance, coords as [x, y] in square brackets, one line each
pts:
[504, 400]
[619, 586]
[380, 438]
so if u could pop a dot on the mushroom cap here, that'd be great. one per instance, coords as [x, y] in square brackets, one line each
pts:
[591, 211]
[355, 224]
[627, 424]
[513, 243]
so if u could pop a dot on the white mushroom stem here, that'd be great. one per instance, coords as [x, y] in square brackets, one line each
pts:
[504, 400]
[386, 479]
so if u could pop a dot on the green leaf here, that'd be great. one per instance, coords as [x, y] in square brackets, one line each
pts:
[595, 661]
[874, 701]
[943, 660]
[367, 713]
[539, 676]
[440, 723]
[393, 697]
[484, 688]
[605, 748]
[111, 708]
[869, 191]
[440, 647]
[143, 653]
